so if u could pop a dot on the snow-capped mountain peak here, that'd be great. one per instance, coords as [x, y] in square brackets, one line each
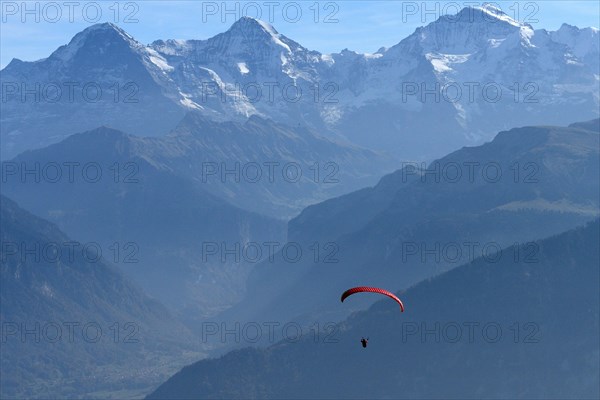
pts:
[248, 34]
[584, 42]
[99, 38]
[104, 32]
[252, 69]
[486, 14]
[470, 30]
[108, 28]
[491, 13]
[249, 25]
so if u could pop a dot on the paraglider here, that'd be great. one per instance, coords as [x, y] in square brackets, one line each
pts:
[368, 289]
[360, 289]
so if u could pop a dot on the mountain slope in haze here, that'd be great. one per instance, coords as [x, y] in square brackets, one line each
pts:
[149, 220]
[258, 165]
[72, 325]
[469, 70]
[508, 329]
[535, 151]
[267, 167]
[158, 198]
[527, 183]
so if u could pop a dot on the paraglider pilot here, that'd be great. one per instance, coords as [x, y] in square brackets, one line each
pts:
[360, 289]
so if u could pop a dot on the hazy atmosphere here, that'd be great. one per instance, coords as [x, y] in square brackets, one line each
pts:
[300, 200]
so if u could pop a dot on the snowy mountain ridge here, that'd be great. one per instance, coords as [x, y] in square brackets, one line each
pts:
[470, 70]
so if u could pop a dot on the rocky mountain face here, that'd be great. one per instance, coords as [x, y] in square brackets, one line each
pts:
[511, 329]
[449, 84]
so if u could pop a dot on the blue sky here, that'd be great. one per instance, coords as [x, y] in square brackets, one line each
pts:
[326, 26]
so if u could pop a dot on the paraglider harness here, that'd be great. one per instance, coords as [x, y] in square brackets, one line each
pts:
[364, 342]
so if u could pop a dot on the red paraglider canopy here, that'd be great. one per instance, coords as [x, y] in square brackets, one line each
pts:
[360, 289]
